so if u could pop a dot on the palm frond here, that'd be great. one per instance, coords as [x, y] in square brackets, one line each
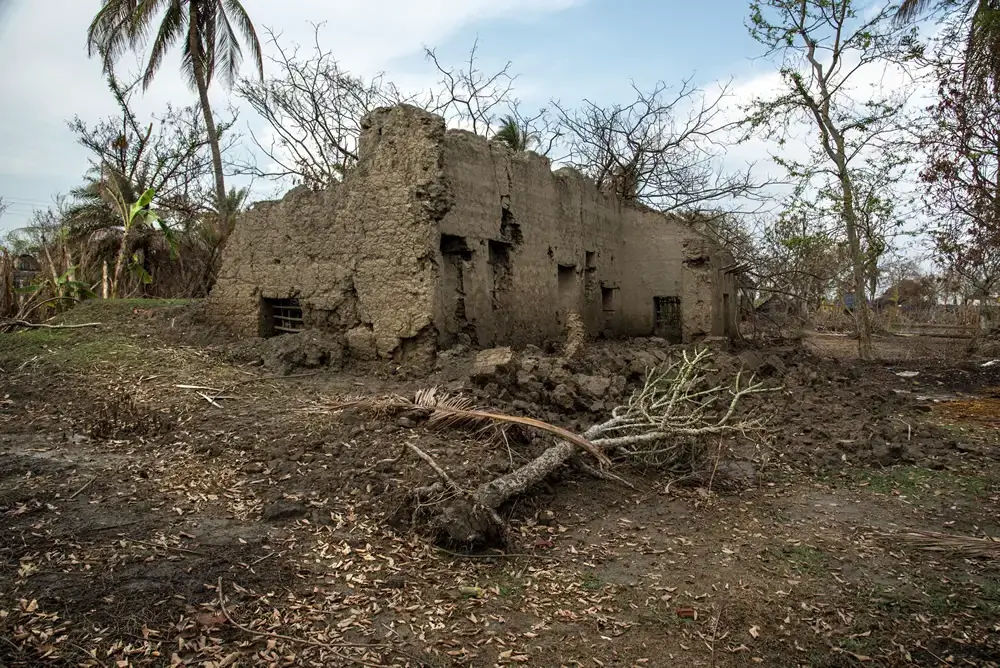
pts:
[456, 411]
[910, 9]
[110, 32]
[172, 28]
[968, 546]
[513, 135]
[228, 54]
[982, 50]
[245, 25]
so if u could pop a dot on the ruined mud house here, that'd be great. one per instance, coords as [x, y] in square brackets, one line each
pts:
[439, 236]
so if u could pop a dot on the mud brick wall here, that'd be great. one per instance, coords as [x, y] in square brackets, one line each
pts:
[523, 246]
[356, 256]
[439, 235]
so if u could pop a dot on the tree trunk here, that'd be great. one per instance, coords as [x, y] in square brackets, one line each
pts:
[472, 521]
[119, 263]
[861, 315]
[201, 80]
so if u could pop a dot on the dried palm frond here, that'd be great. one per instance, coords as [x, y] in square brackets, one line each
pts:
[968, 546]
[445, 410]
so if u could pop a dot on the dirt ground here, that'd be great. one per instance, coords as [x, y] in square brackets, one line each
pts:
[146, 462]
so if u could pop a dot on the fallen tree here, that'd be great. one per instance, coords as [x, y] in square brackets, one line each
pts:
[663, 423]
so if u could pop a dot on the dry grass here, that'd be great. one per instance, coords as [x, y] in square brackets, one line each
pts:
[983, 410]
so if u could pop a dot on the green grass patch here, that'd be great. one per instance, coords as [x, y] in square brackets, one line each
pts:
[109, 310]
[68, 349]
[591, 583]
[917, 482]
[116, 343]
[805, 559]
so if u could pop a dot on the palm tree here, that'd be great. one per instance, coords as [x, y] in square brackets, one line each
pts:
[511, 134]
[207, 31]
[982, 40]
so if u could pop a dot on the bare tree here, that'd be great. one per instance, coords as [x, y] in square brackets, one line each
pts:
[662, 149]
[313, 108]
[468, 96]
[824, 45]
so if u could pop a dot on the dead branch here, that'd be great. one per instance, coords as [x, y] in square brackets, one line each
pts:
[85, 486]
[656, 426]
[41, 325]
[437, 468]
[388, 460]
[672, 404]
[166, 547]
[663, 149]
[468, 96]
[601, 474]
[313, 108]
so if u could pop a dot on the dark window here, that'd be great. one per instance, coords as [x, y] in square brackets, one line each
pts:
[608, 298]
[567, 277]
[280, 316]
[455, 245]
[667, 318]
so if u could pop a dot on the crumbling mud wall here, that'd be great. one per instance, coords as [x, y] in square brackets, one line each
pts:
[522, 247]
[442, 236]
[357, 257]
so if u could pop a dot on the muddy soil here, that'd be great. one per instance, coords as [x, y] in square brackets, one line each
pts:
[146, 462]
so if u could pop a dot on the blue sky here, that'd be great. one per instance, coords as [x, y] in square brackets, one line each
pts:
[566, 49]
[593, 49]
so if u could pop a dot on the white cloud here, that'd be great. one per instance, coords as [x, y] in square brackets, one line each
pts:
[53, 79]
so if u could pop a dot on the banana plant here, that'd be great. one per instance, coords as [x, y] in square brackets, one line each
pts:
[136, 214]
[64, 288]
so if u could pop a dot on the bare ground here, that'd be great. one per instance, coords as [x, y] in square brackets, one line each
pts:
[126, 501]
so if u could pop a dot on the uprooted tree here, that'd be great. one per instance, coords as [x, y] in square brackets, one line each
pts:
[665, 423]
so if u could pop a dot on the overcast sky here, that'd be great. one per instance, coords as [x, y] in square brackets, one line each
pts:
[567, 49]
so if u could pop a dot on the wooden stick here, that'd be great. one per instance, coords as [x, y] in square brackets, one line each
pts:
[35, 325]
[85, 486]
[209, 399]
[166, 547]
[437, 469]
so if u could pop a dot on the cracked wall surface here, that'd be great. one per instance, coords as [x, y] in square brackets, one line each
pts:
[359, 257]
[567, 247]
[441, 235]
